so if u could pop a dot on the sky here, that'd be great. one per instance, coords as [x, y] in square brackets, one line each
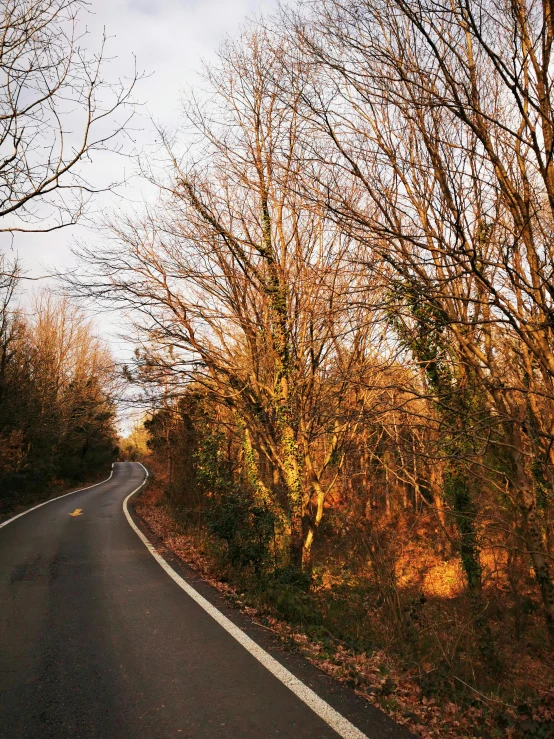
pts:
[170, 39]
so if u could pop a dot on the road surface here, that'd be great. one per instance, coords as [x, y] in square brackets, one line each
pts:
[96, 640]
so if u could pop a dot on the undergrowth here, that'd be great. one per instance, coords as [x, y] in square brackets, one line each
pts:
[416, 656]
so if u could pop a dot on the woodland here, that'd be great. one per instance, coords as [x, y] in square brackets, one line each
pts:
[343, 298]
[57, 397]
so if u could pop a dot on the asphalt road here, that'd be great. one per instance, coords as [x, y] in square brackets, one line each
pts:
[96, 640]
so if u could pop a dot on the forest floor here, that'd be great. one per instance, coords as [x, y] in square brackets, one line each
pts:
[380, 675]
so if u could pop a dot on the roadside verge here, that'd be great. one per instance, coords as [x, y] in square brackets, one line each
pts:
[348, 714]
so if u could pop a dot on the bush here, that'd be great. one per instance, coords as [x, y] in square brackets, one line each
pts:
[246, 526]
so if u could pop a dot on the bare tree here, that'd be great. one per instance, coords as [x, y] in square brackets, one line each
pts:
[443, 119]
[56, 110]
[245, 286]
[58, 383]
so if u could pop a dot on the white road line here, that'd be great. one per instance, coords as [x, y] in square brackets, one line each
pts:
[53, 499]
[341, 725]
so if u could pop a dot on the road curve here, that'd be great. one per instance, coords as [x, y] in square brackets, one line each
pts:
[97, 641]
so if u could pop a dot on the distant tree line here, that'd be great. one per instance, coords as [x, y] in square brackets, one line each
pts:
[57, 385]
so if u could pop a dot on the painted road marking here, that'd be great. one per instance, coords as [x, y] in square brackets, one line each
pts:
[333, 718]
[13, 518]
[77, 512]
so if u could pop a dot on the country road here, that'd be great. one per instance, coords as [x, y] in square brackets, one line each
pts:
[97, 640]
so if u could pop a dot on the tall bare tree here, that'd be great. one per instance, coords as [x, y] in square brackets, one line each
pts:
[245, 285]
[443, 118]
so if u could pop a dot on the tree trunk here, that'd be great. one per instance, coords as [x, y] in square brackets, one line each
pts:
[437, 493]
[313, 522]
[293, 482]
[464, 511]
[532, 532]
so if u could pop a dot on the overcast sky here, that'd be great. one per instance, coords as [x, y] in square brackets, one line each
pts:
[169, 39]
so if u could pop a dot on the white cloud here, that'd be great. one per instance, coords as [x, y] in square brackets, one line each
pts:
[169, 39]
